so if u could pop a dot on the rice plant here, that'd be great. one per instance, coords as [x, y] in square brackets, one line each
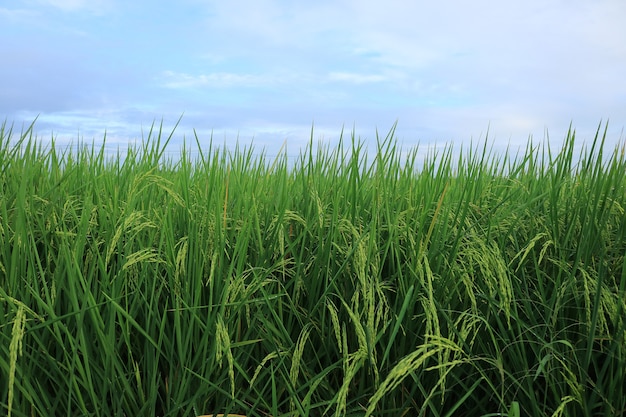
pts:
[352, 282]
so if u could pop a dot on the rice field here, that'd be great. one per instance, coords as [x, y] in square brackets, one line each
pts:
[351, 282]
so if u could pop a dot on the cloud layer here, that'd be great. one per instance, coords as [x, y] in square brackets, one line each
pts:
[269, 69]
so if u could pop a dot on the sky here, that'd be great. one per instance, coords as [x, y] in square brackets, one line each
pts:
[269, 72]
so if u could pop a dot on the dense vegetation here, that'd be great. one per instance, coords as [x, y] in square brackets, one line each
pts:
[349, 282]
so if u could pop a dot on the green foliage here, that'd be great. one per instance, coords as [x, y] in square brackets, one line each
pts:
[350, 283]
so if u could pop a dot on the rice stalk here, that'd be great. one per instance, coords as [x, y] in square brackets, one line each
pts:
[15, 349]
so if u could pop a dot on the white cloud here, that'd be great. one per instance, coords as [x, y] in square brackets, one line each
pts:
[356, 78]
[16, 14]
[171, 79]
[94, 6]
[68, 5]
[278, 23]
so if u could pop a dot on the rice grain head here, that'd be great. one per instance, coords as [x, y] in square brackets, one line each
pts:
[15, 349]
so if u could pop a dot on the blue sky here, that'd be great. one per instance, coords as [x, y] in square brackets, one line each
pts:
[267, 70]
